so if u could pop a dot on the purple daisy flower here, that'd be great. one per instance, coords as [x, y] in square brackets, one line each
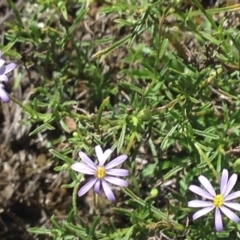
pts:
[4, 78]
[220, 202]
[102, 175]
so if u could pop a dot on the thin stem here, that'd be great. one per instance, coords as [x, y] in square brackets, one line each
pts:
[74, 198]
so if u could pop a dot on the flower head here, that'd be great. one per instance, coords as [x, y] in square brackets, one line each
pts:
[220, 202]
[102, 174]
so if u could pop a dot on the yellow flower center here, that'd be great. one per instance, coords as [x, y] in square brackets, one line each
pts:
[218, 200]
[100, 172]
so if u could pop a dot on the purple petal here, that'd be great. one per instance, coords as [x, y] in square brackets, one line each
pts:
[202, 212]
[102, 156]
[97, 187]
[118, 172]
[82, 168]
[199, 204]
[235, 206]
[232, 196]
[230, 185]
[87, 160]
[106, 155]
[3, 94]
[2, 70]
[224, 180]
[1, 62]
[207, 185]
[108, 191]
[218, 220]
[99, 151]
[231, 215]
[116, 161]
[4, 78]
[117, 181]
[86, 187]
[200, 192]
[10, 67]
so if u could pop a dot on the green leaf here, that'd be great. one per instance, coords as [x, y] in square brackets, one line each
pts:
[77, 230]
[149, 170]
[165, 141]
[63, 10]
[64, 126]
[132, 87]
[209, 37]
[92, 229]
[71, 103]
[16, 12]
[61, 156]
[103, 53]
[104, 103]
[41, 128]
[42, 231]
[128, 234]
[121, 138]
[205, 134]
[163, 48]
[80, 15]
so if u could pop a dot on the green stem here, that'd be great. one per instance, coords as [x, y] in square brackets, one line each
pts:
[74, 198]
[157, 213]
